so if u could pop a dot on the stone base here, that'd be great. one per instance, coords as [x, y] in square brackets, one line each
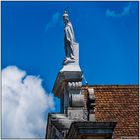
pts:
[70, 68]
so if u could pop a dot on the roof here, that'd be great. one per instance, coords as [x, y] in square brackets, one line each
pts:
[118, 103]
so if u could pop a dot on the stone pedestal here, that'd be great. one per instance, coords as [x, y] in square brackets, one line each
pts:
[67, 87]
[62, 81]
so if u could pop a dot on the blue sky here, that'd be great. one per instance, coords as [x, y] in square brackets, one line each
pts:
[107, 32]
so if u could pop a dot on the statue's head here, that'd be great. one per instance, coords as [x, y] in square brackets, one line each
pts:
[65, 17]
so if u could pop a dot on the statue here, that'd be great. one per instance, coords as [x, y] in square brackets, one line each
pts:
[69, 40]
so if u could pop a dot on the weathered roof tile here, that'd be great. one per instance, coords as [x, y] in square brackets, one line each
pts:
[118, 103]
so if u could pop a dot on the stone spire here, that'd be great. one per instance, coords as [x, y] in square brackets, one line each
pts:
[74, 120]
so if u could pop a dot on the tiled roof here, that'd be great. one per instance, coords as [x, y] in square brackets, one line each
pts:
[118, 103]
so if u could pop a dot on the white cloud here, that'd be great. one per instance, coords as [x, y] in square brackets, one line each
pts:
[53, 21]
[24, 103]
[126, 11]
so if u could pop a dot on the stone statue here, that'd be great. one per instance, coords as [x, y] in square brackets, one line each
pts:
[69, 40]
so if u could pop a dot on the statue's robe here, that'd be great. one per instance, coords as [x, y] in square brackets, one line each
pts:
[69, 40]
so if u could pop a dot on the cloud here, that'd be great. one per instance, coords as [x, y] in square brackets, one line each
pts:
[24, 105]
[53, 21]
[126, 11]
